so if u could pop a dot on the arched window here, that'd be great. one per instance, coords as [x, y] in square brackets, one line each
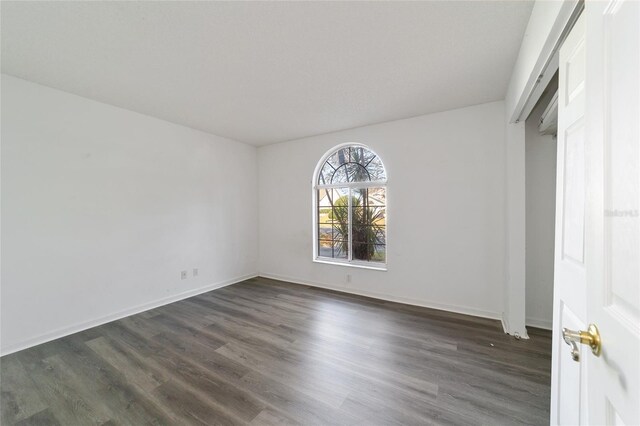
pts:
[350, 208]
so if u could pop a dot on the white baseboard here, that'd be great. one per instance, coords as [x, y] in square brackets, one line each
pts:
[389, 298]
[65, 331]
[540, 323]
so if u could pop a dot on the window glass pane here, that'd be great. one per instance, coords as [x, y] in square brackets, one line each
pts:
[339, 158]
[323, 197]
[359, 155]
[344, 155]
[379, 253]
[368, 229]
[326, 174]
[333, 228]
[361, 251]
[357, 173]
[333, 160]
[325, 248]
[340, 232]
[377, 197]
[328, 197]
[367, 157]
[377, 213]
[376, 170]
[380, 235]
[340, 249]
[340, 175]
[333, 249]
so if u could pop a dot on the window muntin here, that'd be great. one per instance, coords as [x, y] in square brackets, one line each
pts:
[351, 164]
[351, 208]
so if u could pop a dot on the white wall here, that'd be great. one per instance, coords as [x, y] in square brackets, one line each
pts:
[540, 200]
[102, 208]
[446, 210]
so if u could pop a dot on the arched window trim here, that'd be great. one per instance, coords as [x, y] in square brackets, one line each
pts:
[382, 183]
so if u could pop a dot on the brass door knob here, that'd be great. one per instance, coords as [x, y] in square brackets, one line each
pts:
[590, 337]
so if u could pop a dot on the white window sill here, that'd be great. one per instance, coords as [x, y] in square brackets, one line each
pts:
[363, 265]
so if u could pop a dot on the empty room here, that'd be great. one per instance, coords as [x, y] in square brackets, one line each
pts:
[320, 212]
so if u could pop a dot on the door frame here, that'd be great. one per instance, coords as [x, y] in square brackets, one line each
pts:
[539, 60]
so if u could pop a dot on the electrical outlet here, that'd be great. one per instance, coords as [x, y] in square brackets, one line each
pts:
[183, 275]
[195, 272]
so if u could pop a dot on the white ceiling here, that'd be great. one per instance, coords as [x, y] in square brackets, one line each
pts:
[269, 71]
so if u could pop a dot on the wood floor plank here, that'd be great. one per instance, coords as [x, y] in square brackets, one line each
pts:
[112, 388]
[20, 398]
[271, 417]
[210, 387]
[67, 400]
[295, 404]
[41, 418]
[135, 371]
[201, 354]
[189, 408]
[267, 352]
[307, 382]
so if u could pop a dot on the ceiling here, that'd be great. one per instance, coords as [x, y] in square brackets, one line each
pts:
[265, 72]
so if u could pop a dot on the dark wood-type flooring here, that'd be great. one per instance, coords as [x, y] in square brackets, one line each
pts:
[269, 352]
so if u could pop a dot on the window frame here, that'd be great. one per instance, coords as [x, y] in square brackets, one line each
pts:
[315, 187]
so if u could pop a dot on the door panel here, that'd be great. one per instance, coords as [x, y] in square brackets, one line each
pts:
[621, 164]
[568, 394]
[613, 225]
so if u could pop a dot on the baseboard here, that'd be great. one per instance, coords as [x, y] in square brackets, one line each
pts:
[539, 323]
[389, 298]
[65, 331]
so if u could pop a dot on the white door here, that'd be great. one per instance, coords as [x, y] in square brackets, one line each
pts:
[613, 202]
[597, 269]
[568, 390]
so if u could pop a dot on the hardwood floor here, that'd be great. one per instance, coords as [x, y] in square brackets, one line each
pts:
[269, 352]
